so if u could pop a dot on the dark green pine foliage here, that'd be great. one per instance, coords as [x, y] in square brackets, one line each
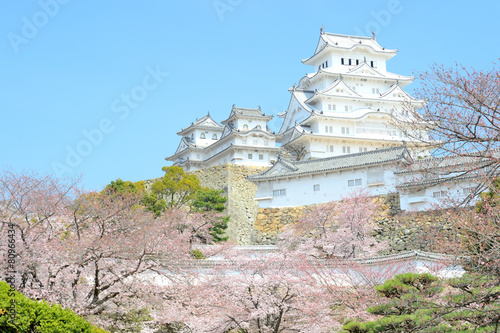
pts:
[206, 200]
[424, 303]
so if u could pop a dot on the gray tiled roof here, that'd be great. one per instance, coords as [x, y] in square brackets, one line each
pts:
[284, 168]
[453, 163]
[247, 112]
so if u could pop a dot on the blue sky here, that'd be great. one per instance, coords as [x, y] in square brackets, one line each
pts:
[69, 67]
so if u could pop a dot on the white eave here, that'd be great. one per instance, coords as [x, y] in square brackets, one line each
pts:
[347, 43]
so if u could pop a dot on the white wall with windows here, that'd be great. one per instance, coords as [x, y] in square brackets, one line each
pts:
[437, 196]
[320, 188]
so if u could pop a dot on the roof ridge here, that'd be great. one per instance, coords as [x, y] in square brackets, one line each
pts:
[352, 155]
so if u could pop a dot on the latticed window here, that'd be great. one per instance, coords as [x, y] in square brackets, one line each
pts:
[279, 193]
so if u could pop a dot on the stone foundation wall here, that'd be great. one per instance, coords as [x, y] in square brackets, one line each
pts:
[271, 221]
[240, 193]
[403, 231]
[415, 231]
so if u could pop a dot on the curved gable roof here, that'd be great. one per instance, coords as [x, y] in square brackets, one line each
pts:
[329, 164]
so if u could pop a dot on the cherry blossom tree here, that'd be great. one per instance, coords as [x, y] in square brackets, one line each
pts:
[460, 121]
[338, 229]
[256, 293]
[90, 251]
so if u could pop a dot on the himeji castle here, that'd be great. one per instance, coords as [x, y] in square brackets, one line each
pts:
[337, 134]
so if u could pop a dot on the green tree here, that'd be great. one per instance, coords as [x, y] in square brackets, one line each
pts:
[37, 316]
[490, 198]
[176, 187]
[154, 203]
[424, 303]
[206, 200]
[120, 187]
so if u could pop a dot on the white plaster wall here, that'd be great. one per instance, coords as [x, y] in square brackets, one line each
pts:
[450, 195]
[251, 123]
[300, 191]
[334, 58]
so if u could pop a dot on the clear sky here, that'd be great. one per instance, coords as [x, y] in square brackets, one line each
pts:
[100, 87]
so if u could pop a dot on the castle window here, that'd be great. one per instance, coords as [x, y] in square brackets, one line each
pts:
[329, 148]
[345, 130]
[261, 157]
[376, 90]
[355, 182]
[245, 127]
[439, 194]
[250, 156]
[326, 63]
[350, 62]
[468, 190]
[342, 61]
[346, 149]
[316, 187]
[202, 136]
[214, 137]
[279, 193]
[357, 61]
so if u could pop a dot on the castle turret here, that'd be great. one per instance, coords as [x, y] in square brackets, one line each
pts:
[245, 139]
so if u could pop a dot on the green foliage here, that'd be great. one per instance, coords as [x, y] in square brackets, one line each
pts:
[120, 187]
[489, 198]
[174, 327]
[404, 284]
[39, 316]
[206, 200]
[176, 187]
[197, 254]
[154, 203]
[130, 322]
[218, 230]
[423, 303]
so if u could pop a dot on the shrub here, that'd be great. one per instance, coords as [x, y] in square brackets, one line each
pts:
[38, 316]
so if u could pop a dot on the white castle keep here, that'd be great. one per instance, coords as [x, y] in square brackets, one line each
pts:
[337, 134]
